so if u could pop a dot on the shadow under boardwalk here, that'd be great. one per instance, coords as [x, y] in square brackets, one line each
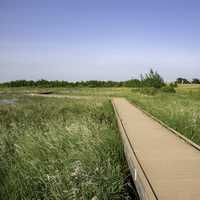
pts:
[163, 165]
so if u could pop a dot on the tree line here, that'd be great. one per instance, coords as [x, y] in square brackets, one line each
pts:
[185, 81]
[151, 79]
[91, 83]
[47, 83]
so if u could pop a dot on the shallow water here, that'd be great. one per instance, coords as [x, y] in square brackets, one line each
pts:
[7, 101]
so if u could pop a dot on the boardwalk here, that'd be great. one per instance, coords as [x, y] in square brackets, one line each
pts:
[163, 166]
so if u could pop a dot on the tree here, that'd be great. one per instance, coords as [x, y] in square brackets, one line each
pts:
[132, 83]
[182, 81]
[152, 79]
[195, 81]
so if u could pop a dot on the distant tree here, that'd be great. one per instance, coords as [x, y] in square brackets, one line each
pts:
[195, 81]
[56, 83]
[152, 79]
[173, 84]
[132, 83]
[182, 81]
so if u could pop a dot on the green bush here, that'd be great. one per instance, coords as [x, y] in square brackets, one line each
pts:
[148, 90]
[152, 79]
[168, 89]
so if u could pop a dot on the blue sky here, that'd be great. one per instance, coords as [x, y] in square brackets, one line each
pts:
[98, 39]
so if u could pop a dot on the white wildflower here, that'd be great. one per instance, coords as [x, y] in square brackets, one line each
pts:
[94, 198]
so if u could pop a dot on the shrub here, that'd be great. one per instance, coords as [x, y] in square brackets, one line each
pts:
[148, 90]
[173, 84]
[182, 81]
[132, 83]
[168, 89]
[195, 81]
[152, 79]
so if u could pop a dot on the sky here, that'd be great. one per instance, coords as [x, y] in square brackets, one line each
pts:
[99, 39]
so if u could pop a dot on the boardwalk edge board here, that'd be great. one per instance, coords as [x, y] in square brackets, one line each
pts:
[143, 185]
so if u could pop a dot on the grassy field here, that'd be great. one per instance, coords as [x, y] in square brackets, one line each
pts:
[62, 148]
[58, 148]
[97, 92]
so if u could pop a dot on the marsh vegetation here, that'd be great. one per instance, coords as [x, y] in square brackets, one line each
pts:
[61, 149]
[65, 148]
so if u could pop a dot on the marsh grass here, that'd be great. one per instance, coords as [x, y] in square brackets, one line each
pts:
[61, 149]
[70, 149]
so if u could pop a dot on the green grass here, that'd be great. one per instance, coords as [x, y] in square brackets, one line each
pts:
[84, 91]
[61, 149]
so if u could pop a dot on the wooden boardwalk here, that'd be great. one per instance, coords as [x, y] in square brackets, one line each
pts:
[163, 165]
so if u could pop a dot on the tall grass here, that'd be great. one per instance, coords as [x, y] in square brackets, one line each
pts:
[70, 149]
[61, 149]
